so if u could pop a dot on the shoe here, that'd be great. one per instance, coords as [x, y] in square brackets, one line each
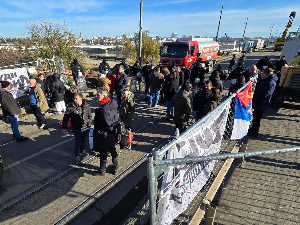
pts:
[22, 139]
[154, 106]
[84, 154]
[77, 160]
[252, 134]
[42, 126]
[98, 173]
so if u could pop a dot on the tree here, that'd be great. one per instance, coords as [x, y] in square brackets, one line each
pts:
[150, 47]
[9, 57]
[50, 38]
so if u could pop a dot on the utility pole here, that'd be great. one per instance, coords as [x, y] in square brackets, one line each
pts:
[219, 25]
[141, 31]
[244, 33]
[270, 34]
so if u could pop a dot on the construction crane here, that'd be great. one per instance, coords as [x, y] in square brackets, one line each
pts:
[280, 41]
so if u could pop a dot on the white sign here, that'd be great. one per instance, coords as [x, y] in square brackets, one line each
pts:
[17, 77]
[181, 183]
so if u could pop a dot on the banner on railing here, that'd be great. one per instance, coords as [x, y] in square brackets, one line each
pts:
[243, 113]
[17, 77]
[181, 183]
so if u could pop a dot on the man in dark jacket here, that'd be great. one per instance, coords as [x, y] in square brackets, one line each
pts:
[198, 72]
[280, 63]
[120, 84]
[135, 72]
[186, 72]
[76, 68]
[107, 130]
[261, 99]
[58, 92]
[182, 107]
[242, 59]
[232, 62]
[11, 109]
[171, 87]
[264, 62]
[200, 100]
[81, 120]
[157, 79]
[146, 72]
[104, 65]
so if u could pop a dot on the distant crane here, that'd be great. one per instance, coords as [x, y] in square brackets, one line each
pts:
[280, 41]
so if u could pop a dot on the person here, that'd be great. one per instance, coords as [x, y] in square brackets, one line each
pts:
[261, 99]
[242, 59]
[104, 65]
[157, 79]
[10, 109]
[171, 87]
[127, 108]
[81, 120]
[250, 73]
[135, 71]
[182, 107]
[40, 80]
[198, 72]
[70, 93]
[112, 79]
[200, 100]
[38, 102]
[76, 68]
[126, 67]
[240, 82]
[213, 100]
[238, 71]
[232, 62]
[186, 72]
[280, 63]
[107, 131]
[264, 62]
[222, 74]
[216, 80]
[103, 81]
[58, 93]
[48, 85]
[120, 84]
[146, 72]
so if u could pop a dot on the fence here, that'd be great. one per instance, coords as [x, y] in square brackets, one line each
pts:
[180, 180]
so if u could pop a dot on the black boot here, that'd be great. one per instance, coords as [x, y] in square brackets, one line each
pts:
[115, 162]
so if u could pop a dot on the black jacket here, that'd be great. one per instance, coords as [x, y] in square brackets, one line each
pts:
[171, 87]
[146, 72]
[198, 72]
[80, 116]
[58, 89]
[121, 82]
[8, 103]
[135, 69]
[106, 126]
[74, 68]
[199, 102]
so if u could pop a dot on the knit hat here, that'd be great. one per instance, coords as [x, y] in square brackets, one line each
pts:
[4, 84]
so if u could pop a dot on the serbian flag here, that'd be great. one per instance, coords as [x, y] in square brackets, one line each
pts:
[243, 113]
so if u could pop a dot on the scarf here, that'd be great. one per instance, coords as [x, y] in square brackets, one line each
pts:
[104, 100]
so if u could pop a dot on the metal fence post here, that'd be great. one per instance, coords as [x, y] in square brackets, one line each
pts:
[151, 189]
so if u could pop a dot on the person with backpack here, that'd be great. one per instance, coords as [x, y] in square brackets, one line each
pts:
[107, 130]
[58, 93]
[126, 110]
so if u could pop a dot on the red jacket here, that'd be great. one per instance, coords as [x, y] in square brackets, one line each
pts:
[112, 79]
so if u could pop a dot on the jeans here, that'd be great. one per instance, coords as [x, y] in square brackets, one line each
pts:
[14, 123]
[154, 91]
[170, 110]
[148, 83]
[81, 138]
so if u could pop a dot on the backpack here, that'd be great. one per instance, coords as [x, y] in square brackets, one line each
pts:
[126, 138]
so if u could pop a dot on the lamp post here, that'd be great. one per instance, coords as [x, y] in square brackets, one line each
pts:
[141, 32]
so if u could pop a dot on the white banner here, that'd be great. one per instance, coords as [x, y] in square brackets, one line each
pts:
[17, 77]
[181, 183]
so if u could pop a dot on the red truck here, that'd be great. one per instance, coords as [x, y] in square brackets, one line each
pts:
[188, 51]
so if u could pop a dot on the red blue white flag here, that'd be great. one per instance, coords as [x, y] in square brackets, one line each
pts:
[243, 113]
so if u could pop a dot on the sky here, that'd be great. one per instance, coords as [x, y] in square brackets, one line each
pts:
[161, 17]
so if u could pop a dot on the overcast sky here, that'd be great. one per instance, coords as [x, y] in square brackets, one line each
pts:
[160, 17]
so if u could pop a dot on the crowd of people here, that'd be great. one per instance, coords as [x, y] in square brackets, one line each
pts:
[168, 85]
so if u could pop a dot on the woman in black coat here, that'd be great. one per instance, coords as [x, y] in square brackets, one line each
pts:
[107, 130]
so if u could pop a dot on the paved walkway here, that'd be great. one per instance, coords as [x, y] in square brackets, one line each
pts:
[264, 190]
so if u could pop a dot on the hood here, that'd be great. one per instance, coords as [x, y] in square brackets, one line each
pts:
[111, 105]
[55, 77]
[273, 77]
